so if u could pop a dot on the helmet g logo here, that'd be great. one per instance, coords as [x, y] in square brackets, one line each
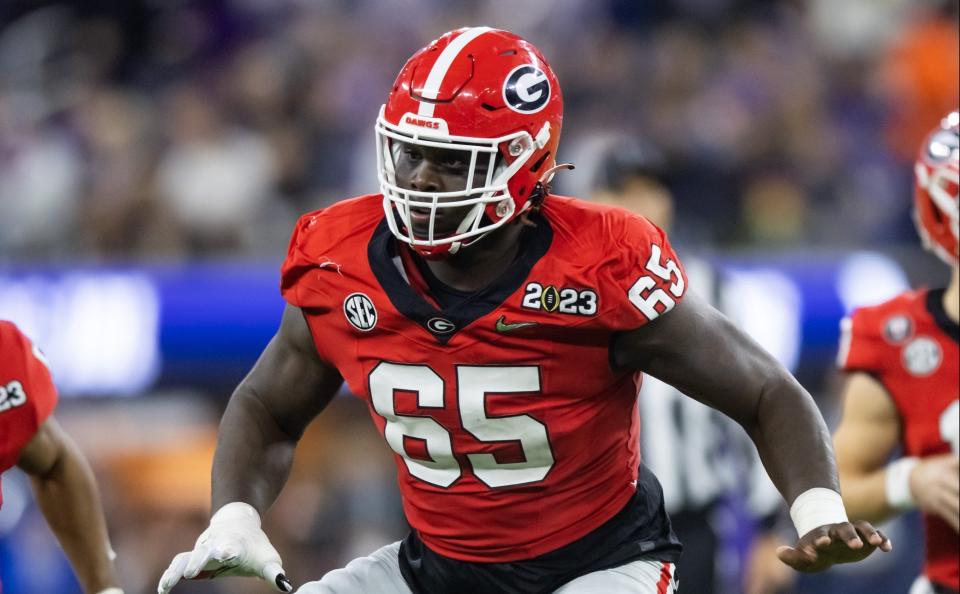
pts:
[526, 89]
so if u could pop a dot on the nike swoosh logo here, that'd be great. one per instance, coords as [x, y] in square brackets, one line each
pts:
[503, 326]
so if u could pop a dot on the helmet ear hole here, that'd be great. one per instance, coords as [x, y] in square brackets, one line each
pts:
[539, 163]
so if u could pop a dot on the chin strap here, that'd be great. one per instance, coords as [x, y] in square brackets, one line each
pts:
[543, 186]
[549, 173]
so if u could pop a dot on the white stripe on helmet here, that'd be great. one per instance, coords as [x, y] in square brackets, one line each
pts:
[431, 89]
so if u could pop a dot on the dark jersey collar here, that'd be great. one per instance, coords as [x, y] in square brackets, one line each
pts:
[935, 307]
[444, 323]
[441, 292]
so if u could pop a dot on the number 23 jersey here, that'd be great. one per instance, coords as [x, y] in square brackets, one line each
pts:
[513, 433]
[27, 395]
[910, 346]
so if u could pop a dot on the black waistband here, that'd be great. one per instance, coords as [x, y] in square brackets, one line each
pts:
[641, 530]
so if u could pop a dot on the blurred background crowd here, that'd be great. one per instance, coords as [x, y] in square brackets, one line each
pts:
[187, 135]
[149, 129]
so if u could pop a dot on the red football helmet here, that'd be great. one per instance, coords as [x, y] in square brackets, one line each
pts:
[936, 206]
[489, 94]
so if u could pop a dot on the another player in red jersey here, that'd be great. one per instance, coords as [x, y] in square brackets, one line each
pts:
[498, 335]
[904, 388]
[64, 486]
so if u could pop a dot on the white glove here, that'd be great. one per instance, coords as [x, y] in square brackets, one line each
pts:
[233, 545]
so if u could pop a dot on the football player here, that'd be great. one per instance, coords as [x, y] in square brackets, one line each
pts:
[903, 386]
[63, 483]
[497, 334]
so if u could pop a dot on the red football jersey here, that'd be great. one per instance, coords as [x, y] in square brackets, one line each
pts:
[513, 434]
[27, 395]
[910, 345]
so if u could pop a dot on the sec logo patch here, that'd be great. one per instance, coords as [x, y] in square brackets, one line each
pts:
[898, 329]
[360, 312]
[922, 356]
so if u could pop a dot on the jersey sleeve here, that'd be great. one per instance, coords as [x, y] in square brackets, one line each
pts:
[298, 280]
[27, 393]
[860, 343]
[648, 279]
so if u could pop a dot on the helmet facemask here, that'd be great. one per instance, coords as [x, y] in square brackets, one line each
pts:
[488, 193]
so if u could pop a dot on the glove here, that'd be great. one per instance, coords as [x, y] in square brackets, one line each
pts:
[233, 545]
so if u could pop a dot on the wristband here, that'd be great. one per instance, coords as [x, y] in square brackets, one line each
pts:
[236, 511]
[817, 507]
[897, 483]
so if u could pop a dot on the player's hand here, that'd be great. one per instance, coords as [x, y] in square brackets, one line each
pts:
[833, 544]
[935, 485]
[233, 545]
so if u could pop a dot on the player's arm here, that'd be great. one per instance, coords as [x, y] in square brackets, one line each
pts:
[697, 350]
[288, 386]
[873, 489]
[268, 413]
[868, 433]
[66, 492]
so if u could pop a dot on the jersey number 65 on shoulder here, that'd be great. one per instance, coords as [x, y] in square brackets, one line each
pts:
[646, 300]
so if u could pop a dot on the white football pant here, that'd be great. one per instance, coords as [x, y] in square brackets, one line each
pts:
[922, 586]
[380, 573]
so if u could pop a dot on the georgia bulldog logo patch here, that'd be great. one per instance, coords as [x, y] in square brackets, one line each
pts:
[441, 325]
[922, 356]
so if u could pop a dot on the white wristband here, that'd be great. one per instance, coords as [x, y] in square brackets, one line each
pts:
[817, 507]
[236, 511]
[111, 591]
[897, 483]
